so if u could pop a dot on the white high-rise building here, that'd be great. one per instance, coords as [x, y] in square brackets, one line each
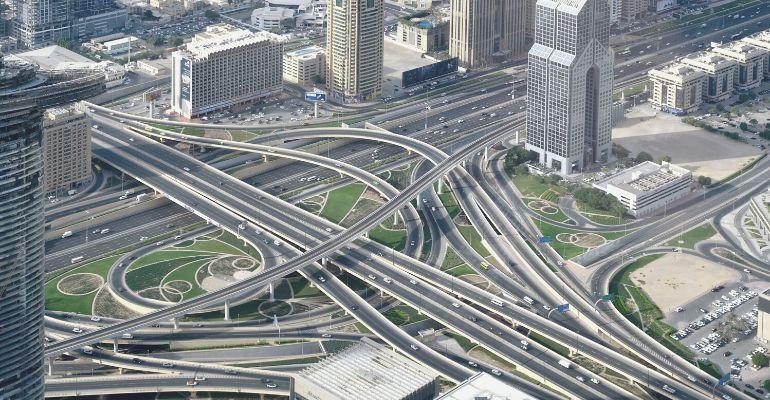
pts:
[354, 49]
[225, 66]
[569, 86]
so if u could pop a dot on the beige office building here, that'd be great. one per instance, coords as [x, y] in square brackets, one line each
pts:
[751, 63]
[225, 66]
[300, 66]
[66, 149]
[354, 49]
[487, 31]
[761, 40]
[720, 73]
[677, 88]
[423, 35]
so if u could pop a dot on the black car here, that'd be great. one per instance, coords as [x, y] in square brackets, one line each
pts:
[136, 361]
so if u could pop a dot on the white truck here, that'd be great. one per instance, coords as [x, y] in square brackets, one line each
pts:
[565, 363]
[66, 234]
[525, 345]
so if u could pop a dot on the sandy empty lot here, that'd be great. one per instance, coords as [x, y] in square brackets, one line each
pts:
[677, 279]
[700, 151]
[397, 60]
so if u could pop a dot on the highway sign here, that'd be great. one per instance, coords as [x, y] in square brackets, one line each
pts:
[608, 297]
[562, 308]
[545, 239]
[315, 96]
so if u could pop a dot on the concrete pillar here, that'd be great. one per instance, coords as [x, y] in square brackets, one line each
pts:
[50, 366]
[517, 137]
[486, 156]
[366, 235]
[176, 322]
[324, 261]
[264, 158]
[115, 346]
[441, 185]
[395, 218]
[227, 310]
[272, 292]
[419, 201]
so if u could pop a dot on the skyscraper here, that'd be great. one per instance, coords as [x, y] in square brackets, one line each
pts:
[354, 46]
[486, 31]
[21, 245]
[40, 22]
[569, 86]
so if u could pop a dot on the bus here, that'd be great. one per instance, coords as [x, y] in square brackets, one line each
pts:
[497, 301]
[76, 260]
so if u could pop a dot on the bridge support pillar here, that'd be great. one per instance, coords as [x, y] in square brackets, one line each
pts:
[516, 138]
[176, 322]
[486, 157]
[395, 219]
[115, 346]
[227, 310]
[419, 201]
[50, 366]
[272, 292]
[324, 262]
[264, 158]
[441, 185]
[366, 235]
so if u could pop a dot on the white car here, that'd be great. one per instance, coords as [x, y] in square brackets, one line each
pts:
[95, 318]
[414, 347]
[77, 330]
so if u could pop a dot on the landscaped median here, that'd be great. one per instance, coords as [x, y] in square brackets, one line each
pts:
[570, 243]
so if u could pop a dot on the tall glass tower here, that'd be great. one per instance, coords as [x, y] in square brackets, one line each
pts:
[569, 85]
[21, 245]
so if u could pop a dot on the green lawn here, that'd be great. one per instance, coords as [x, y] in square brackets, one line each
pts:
[531, 186]
[242, 136]
[558, 216]
[569, 250]
[152, 274]
[451, 260]
[464, 342]
[193, 131]
[402, 314]
[472, 236]
[302, 289]
[625, 290]
[693, 236]
[393, 239]
[557, 347]
[187, 273]
[340, 201]
[57, 301]
[216, 246]
[450, 204]
[162, 255]
[601, 216]
[462, 269]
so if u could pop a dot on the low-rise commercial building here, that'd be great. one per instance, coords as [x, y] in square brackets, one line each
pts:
[66, 149]
[759, 214]
[423, 35]
[677, 88]
[270, 17]
[119, 46]
[720, 73]
[647, 187]
[154, 67]
[367, 370]
[751, 63]
[224, 66]
[761, 40]
[304, 65]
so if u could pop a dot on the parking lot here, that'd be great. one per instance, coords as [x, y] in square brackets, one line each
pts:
[721, 326]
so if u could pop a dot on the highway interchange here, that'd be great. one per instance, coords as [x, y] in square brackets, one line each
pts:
[458, 159]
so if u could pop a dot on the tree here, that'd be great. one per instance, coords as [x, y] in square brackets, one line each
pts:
[753, 121]
[175, 41]
[643, 156]
[704, 180]
[766, 384]
[759, 359]
[211, 15]
[599, 200]
[63, 43]
[521, 170]
[744, 126]
[148, 16]
[517, 156]
[155, 41]
[620, 152]
[288, 23]
[663, 159]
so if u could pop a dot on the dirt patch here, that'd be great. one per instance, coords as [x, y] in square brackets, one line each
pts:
[677, 279]
[700, 151]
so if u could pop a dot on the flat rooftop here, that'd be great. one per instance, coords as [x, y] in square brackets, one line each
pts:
[678, 72]
[643, 177]
[306, 52]
[221, 37]
[486, 387]
[368, 370]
